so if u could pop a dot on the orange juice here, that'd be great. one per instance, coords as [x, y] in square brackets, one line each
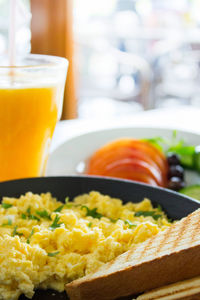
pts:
[31, 96]
[27, 120]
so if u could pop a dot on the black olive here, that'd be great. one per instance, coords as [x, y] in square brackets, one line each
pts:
[173, 159]
[175, 183]
[176, 171]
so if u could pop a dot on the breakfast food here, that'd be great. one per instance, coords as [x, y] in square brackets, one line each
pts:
[130, 159]
[182, 290]
[168, 257]
[156, 161]
[45, 243]
[175, 172]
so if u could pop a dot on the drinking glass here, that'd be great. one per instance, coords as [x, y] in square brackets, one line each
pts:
[31, 97]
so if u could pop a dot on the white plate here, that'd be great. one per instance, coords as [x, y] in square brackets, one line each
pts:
[69, 157]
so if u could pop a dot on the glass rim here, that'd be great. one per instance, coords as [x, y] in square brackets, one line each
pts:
[49, 61]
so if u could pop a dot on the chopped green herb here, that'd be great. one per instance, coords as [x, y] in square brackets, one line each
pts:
[130, 224]
[92, 212]
[32, 217]
[28, 240]
[156, 216]
[66, 200]
[55, 223]
[29, 215]
[7, 224]
[51, 254]
[89, 224]
[72, 204]
[23, 216]
[148, 214]
[6, 205]
[159, 208]
[15, 231]
[43, 214]
[75, 204]
[114, 220]
[143, 213]
[58, 209]
[67, 204]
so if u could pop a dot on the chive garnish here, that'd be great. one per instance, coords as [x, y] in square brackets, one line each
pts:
[89, 224]
[55, 223]
[15, 231]
[28, 240]
[43, 214]
[29, 215]
[7, 224]
[92, 212]
[67, 204]
[32, 217]
[130, 224]
[114, 220]
[51, 254]
[159, 208]
[23, 216]
[148, 214]
[156, 217]
[58, 209]
[6, 205]
[66, 200]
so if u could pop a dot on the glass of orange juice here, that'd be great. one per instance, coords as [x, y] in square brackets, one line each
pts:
[31, 97]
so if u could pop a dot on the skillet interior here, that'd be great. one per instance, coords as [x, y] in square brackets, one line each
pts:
[175, 205]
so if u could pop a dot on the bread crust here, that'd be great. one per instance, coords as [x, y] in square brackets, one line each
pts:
[171, 256]
[186, 289]
[193, 297]
[170, 268]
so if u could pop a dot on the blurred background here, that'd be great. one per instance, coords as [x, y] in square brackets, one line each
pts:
[125, 55]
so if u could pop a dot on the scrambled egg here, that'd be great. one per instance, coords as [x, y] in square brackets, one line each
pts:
[45, 243]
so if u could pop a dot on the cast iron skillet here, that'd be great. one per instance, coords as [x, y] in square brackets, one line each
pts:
[175, 205]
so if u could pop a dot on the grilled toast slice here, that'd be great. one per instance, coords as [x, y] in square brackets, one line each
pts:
[183, 290]
[170, 256]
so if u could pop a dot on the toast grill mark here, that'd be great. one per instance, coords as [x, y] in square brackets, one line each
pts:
[146, 248]
[181, 232]
[193, 233]
[166, 236]
[185, 223]
[167, 248]
[161, 242]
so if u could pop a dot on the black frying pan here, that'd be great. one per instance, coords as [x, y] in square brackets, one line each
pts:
[175, 205]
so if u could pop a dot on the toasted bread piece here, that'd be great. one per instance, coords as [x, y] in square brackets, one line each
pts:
[182, 290]
[170, 256]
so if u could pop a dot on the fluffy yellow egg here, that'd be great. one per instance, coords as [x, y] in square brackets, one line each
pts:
[45, 243]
